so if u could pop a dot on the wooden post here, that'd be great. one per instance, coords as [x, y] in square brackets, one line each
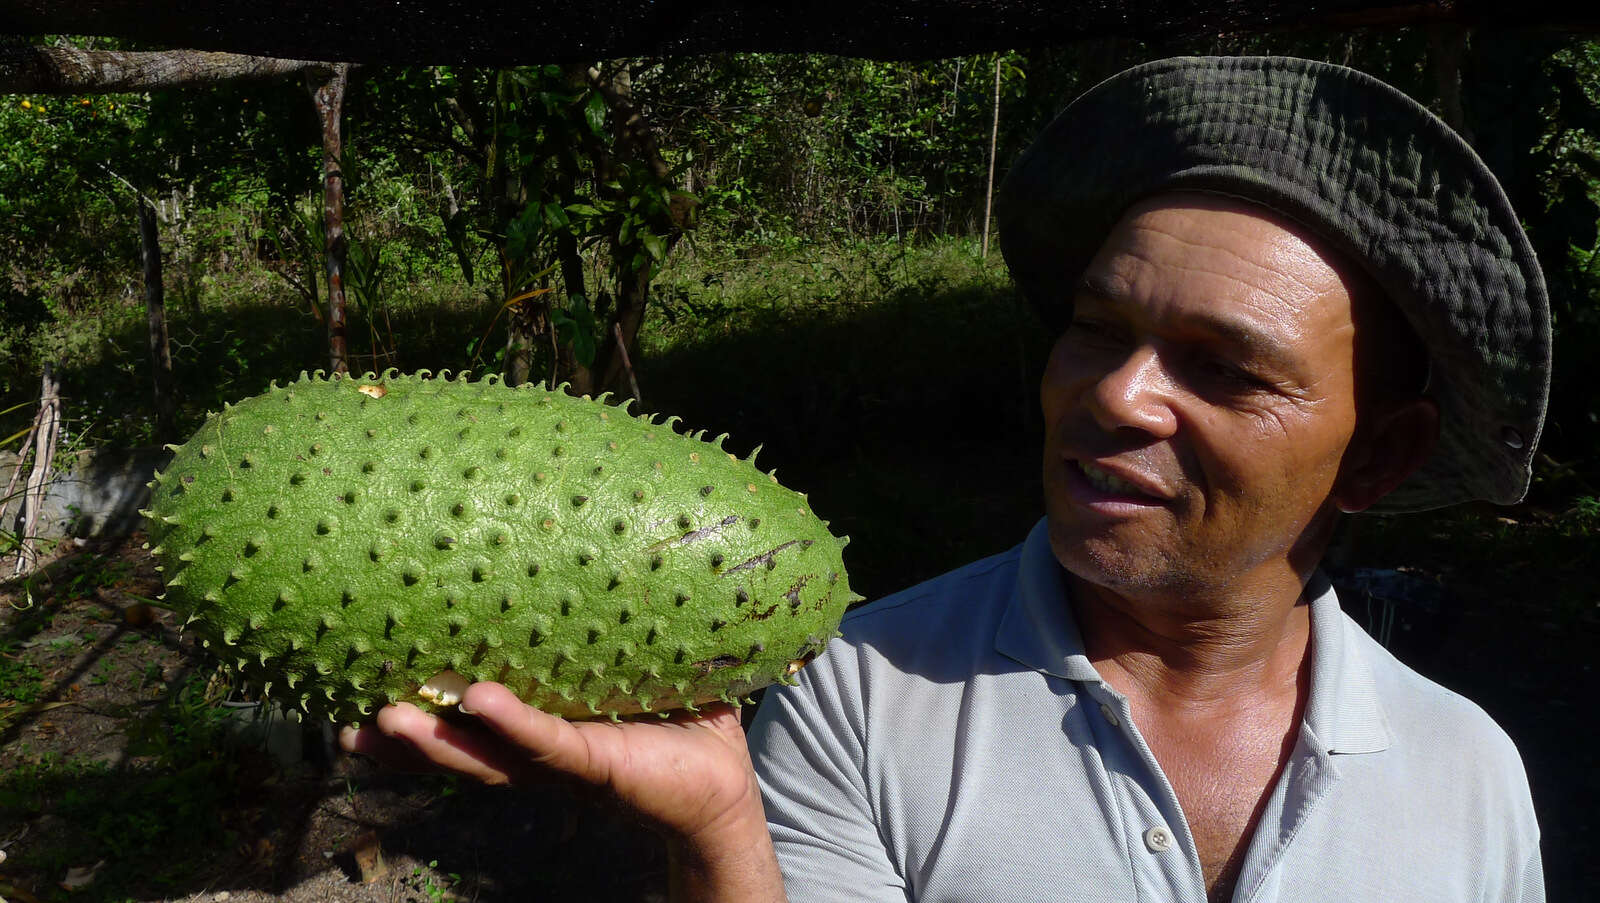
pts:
[156, 314]
[44, 453]
[994, 139]
[327, 88]
[16, 473]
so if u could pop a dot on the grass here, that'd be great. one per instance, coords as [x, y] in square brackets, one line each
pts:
[154, 823]
[20, 681]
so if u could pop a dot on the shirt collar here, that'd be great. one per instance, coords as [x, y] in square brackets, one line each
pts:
[1038, 628]
[1343, 713]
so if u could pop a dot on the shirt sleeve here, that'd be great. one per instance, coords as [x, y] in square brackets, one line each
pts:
[1530, 886]
[808, 753]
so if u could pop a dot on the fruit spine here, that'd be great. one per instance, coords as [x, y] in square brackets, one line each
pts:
[346, 541]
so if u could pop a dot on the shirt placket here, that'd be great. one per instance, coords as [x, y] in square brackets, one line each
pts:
[1166, 863]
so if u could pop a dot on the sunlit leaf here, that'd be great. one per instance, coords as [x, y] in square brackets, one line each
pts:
[653, 244]
[594, 112]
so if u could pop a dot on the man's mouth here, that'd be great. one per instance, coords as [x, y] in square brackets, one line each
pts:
[1107, 482]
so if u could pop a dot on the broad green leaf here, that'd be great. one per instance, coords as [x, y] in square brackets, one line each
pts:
[594, 112]
[653, 244]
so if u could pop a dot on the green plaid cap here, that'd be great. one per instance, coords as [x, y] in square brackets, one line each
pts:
[1358, 163]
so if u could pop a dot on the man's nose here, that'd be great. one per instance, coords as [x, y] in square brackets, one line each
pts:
[1137, 394]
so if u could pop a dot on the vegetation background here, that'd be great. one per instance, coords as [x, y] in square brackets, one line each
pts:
[803, 241]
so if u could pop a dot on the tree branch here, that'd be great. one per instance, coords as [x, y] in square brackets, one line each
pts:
[30, 69]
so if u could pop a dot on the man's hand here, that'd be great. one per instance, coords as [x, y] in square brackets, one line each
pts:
[690, 775]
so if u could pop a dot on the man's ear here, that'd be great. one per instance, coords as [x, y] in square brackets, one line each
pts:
[1389, 447]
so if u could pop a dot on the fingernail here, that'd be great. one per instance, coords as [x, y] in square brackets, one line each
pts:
[462, 708]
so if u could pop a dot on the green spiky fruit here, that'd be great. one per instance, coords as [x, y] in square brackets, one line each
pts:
[346, 541]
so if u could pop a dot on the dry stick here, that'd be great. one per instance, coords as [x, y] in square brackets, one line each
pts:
[22, 460]
[994, 138]
[622, 348]
[44, 453]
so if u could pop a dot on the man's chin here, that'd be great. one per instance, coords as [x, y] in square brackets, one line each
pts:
[1105, 556]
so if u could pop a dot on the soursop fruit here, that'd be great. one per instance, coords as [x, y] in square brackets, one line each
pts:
[351, 542]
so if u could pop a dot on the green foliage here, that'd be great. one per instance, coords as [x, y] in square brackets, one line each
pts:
[782, 147]
[58, 187]
[576, 327]
[428, 883]
[469, 187]
[20, 681]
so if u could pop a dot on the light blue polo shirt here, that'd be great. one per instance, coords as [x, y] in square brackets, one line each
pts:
[957, 745]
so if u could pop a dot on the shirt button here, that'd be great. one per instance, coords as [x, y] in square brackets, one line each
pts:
[1111, 716]
[1158, 840]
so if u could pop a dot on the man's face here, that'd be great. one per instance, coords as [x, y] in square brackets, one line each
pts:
[1200, 402]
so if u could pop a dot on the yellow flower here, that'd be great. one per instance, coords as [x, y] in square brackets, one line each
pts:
[26, 105]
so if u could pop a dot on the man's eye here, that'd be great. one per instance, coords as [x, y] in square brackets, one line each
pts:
[1094, 328]
[1229, 372]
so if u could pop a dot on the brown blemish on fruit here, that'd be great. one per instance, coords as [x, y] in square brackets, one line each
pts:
[764, 558]
[718, 663]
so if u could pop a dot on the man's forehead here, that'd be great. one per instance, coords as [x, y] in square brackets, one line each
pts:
[1265, 233]
[1221, 247]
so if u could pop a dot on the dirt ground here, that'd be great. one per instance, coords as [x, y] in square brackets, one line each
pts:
[127, 774]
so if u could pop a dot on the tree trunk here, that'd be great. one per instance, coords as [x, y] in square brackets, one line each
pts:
[1447, 43]
[633, 291]
[994, 138]
[156, 313]
[327, 88]
[520, 318]
[455, 227]
[636, 140]
[30, 69]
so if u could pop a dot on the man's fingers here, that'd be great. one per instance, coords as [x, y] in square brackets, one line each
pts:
[390, 752]
[444, 746]
[506, 741]
[549, 741]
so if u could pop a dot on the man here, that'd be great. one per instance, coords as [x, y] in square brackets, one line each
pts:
[1284, 292]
